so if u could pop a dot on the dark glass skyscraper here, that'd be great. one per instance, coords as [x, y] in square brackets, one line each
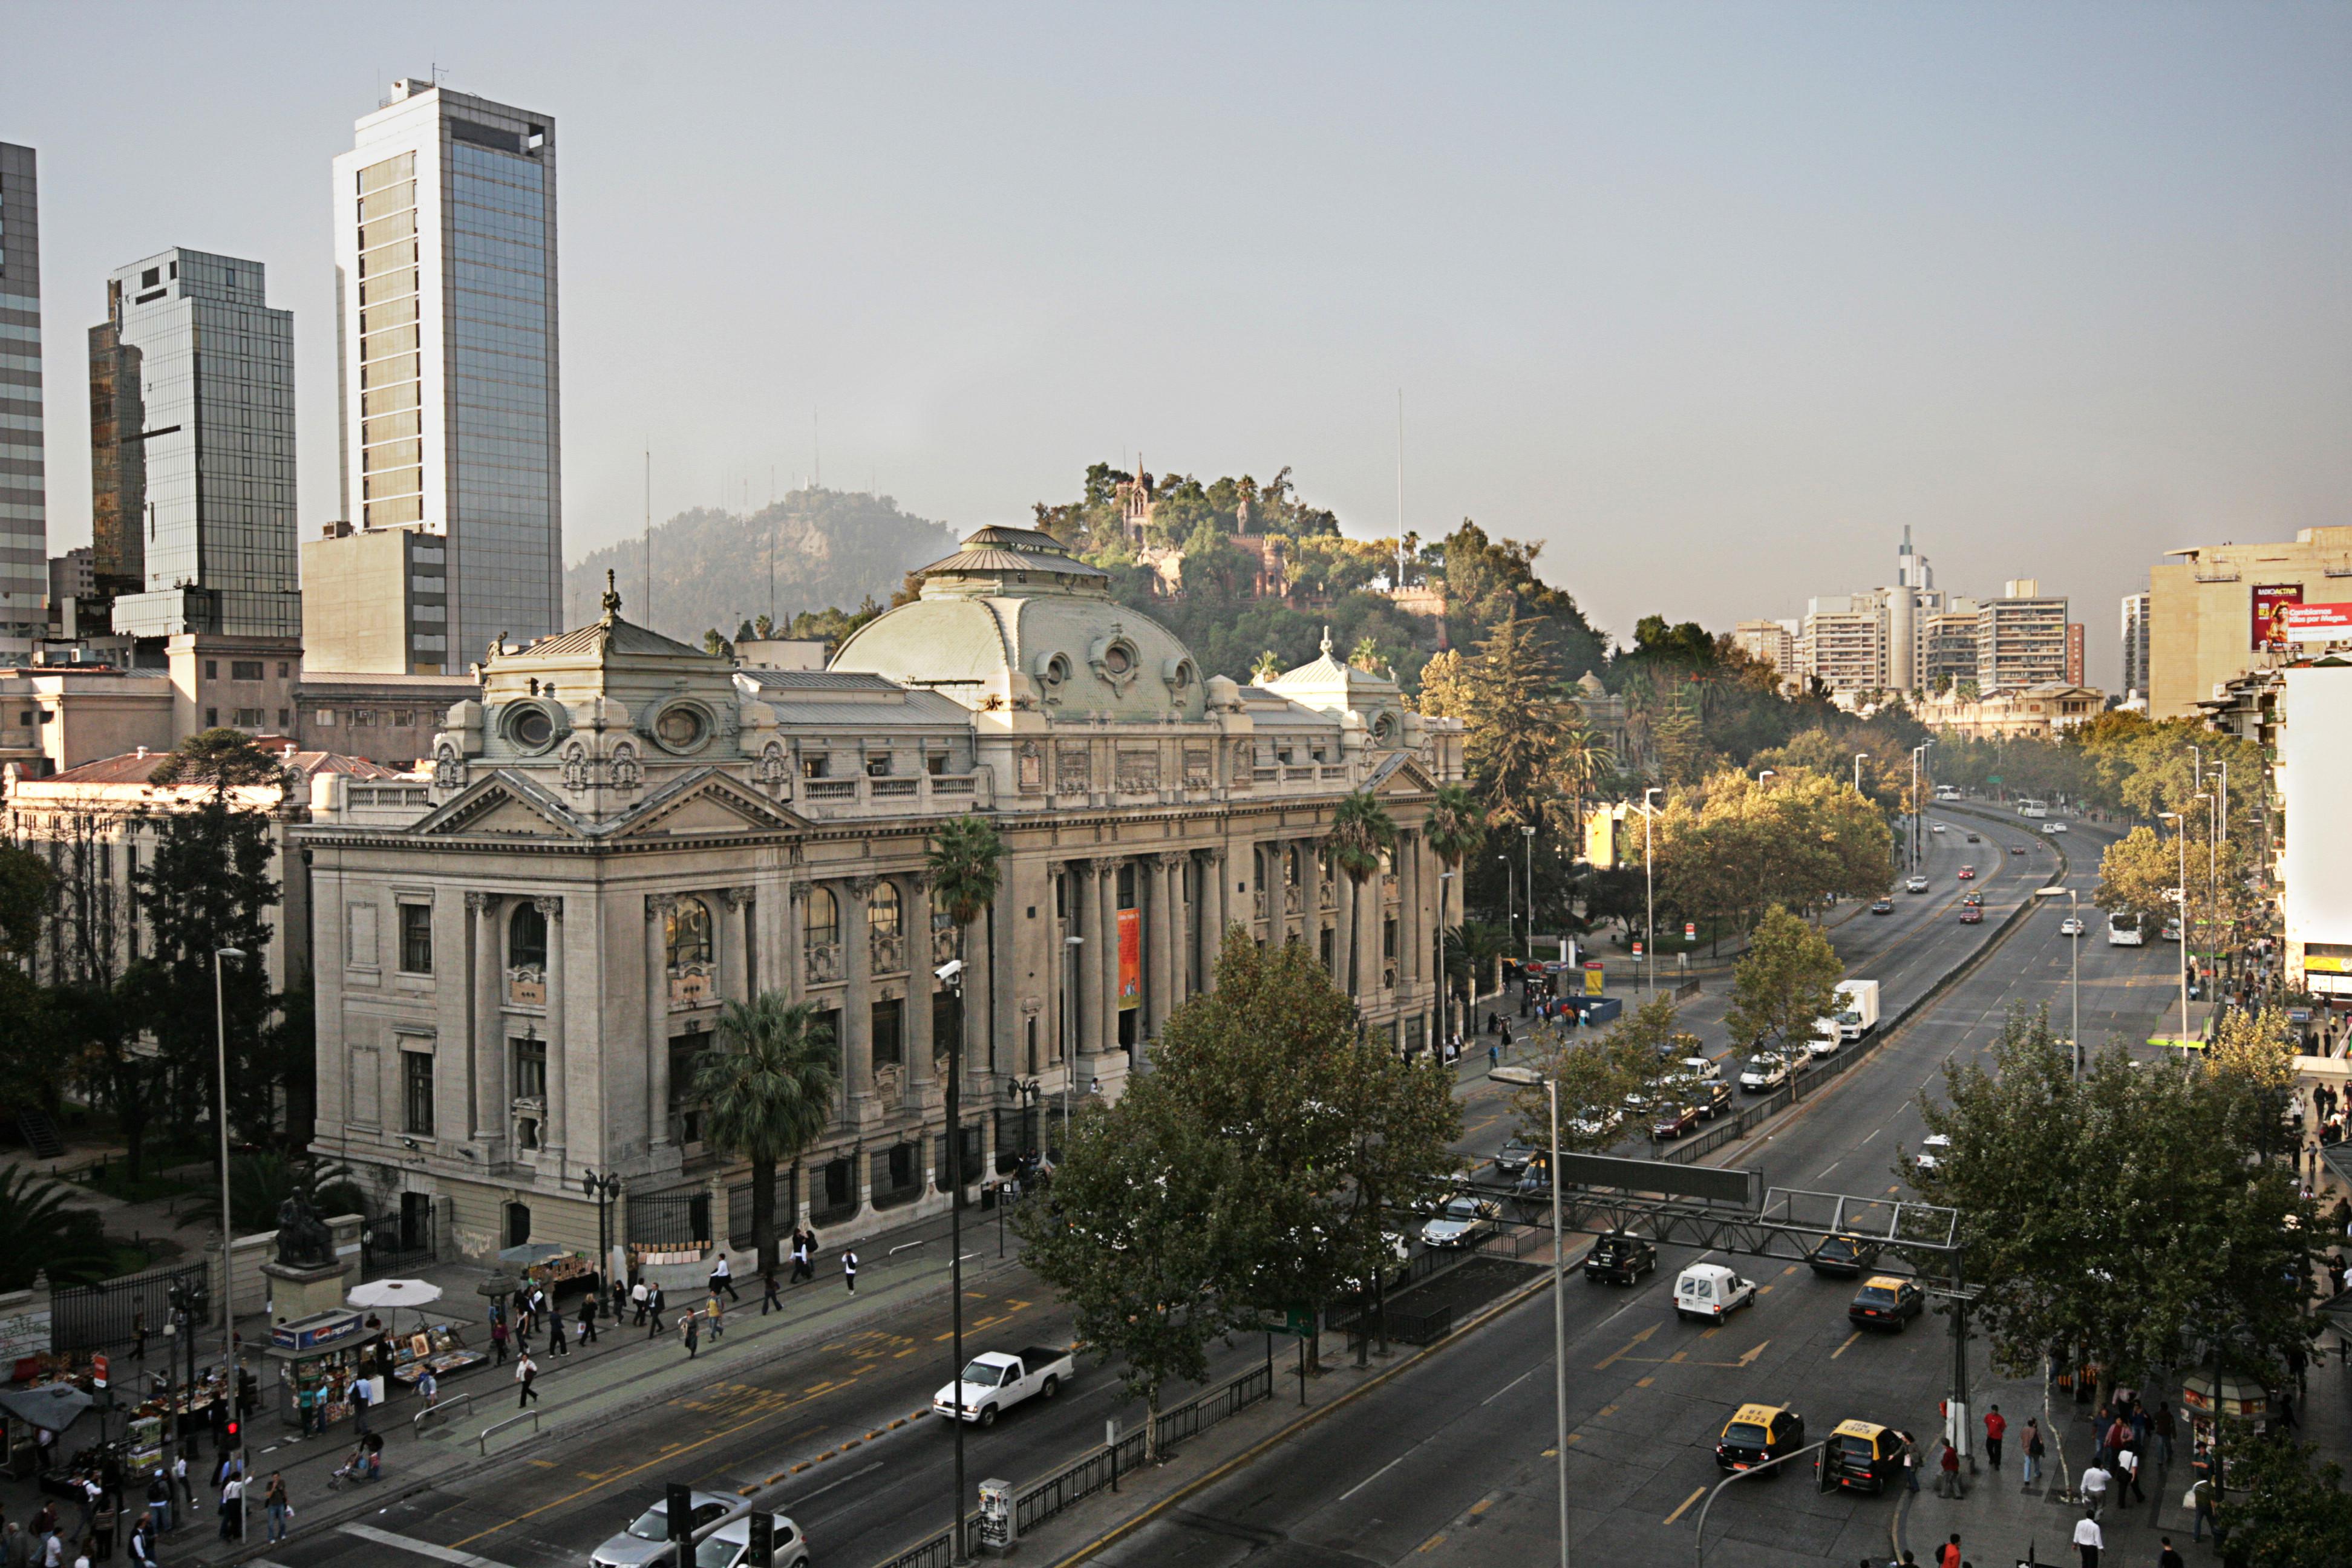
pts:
[24, 499]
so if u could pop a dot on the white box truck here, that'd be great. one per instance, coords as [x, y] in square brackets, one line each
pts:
[1857, 1012]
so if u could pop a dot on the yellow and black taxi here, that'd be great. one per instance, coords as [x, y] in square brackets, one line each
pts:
[1842, 1257]
[1757, 1433]
[1864, 1456]
[1886, 1302]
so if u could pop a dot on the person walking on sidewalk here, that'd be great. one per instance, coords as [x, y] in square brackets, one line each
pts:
[2087, 1541]
[722, 1277]
[804, 1256]
[768, 1297]
[498, 1340]
[2162, 1427]
[849, 1269]
[1910, 1462]
[362, 1396]
[718, 1323]
[2094, 1489]
[2128, 1487]
[2168, 1557]
[429, 1386]
[2032, 1448]
[526, 1374]
[275, 1500]
[588, 1320]
[1996, 1428]
[640, 1295]
[556, 1343]
[1948, 1479]
[689, 1330]
[653, 1312]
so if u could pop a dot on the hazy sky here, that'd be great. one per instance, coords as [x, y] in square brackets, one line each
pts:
[1712, 301]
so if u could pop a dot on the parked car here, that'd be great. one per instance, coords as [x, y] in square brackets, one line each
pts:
[1512, 1162]
[1865, 1457]
[1621, 1258]
[1842, 1256]
[1916, 885]
[1672, 1120]
[1702, 1085]
[1967, 873]
[1882, 907]
[1972, 915]
[730, 1546]
[1711, 1292]
[1757, 1433]
[1599, 1122]
[647, 1533]
[1464, 1222]
[1763, 1071]
[1886, 1302]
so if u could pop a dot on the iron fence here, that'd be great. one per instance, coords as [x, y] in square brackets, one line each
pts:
[1404, 1326]
[785, 1189]
[395, 1243]
[1197, 1414]
[939, 1552]
[94, 1317]
[670, 1220]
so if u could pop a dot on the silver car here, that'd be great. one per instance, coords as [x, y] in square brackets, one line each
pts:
[648, 1532]
[725, 1547]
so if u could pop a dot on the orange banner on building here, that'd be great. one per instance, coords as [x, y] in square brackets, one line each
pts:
[1130, 958]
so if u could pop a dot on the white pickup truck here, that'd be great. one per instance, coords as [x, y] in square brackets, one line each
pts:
[995, 1381]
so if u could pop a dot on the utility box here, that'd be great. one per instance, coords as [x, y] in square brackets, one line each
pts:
[996, 1526]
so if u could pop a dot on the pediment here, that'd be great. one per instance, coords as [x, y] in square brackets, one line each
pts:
[502, 803]
[706, 803]
[1400, 774]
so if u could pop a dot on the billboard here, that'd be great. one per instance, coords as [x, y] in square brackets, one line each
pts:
[2317, 622]
[2271, 601]
[1709, 1183]
[1130, 958]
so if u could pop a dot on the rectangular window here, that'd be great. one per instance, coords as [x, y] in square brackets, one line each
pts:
[416, 1092]
[363, 718]
[244, 669]
[887, 1047]
[530, 1068]
[416, 939]
[359, 922]
[211, 718]
[249, 718]
[281, 717]
[282, 667]
[815, 765]
[326, 718]
[212, 669]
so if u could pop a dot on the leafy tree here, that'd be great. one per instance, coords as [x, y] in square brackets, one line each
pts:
[224, 759]
[1737, 846]
[2123, 1214]
[1474, 952]
[1361, 832]
[1454, 829]
[1785, 982]
[767, 1093]
[25, 882]
[38, 1231]
[717, 646]
[1268, 666]
[1600, 1078]
[2282, 1511]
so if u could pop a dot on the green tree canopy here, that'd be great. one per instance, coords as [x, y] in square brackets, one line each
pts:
[1784, 982]
[223, 759]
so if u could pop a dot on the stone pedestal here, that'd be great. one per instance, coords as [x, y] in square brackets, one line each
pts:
[301, 1292]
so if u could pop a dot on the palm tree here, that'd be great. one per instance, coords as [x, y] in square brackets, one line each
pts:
[767, 1093]
[1268, 666]
[38, 1231]
[1455, 828]
[966, 861]
[259, 1182]
[1472, 950]
[1360, 830]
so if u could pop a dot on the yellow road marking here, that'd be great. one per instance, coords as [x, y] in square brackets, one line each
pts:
[1637, 1339]
[1790, 1270]
[1644, 1382]
[1685, 1503]
[1678, 1355]
[1712, 1333]
[1481, 1506]
[1604, 1410]
[1749, 1358]
[1431, 1544]
[1849, 1340]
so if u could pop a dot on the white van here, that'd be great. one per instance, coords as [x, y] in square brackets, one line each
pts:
[1710, 1293]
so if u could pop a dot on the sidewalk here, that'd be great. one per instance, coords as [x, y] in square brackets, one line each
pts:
[623, 1371]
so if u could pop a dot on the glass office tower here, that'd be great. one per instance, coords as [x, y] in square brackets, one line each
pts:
[191, 450]
[23, 514]
[445, 268]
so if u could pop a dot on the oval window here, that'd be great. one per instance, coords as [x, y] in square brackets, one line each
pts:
[1119, 659]
[679, 727]
[532, 728]
[1057, 670]
[1183, 675]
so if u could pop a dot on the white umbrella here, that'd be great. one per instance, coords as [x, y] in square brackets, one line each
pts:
[394, 1293]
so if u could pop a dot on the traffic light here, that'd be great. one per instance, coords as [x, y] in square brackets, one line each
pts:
[760, 1550]
[231, 1437]
[681, 1512]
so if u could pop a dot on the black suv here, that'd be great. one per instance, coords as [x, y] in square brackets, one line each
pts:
[1621, 1258]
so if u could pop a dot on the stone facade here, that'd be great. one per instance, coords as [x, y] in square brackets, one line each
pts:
[624, 833]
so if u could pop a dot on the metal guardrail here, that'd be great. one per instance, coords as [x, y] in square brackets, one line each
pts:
[1401, 1325]
[445, 1409]
[486, 1433]
[1197, 1414]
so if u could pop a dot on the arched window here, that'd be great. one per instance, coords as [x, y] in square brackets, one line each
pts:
[824, 918]
[882, 911]
[689, 933]
[941, 918]
[527, 937]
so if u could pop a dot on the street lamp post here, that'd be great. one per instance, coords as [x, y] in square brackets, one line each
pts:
[1529, 1076]
[1444, 979]
[1917, 752]
[602, 1191]
[2180, 821]
[2073, 911]
[952, 973]
[1857, 770]
[2218, 824]
[220, 1116]
[1649, 891]
[1510, 916]
[1527, 834]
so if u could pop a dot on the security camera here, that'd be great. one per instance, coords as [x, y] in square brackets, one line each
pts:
[410, 1144]
[949, 971]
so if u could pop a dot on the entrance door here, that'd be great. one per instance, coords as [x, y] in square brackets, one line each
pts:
[416, 1222]
[518, 1224]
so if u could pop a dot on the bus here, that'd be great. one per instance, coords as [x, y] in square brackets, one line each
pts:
[2126, 929]
[2029, 807]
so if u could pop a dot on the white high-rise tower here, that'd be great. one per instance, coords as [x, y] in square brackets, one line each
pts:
[451, 428]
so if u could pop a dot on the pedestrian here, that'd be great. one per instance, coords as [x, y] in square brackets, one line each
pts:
[180, 1480]
[2201, 1499]
[2127, 1476]
[768, 1297]
[159, 1499]
[362, 1396]
[429, 1386]
[53, 1549]
[274, 1499]
[689, 1329]
[1910, 1462]
[306, 1406]
[2095, 1488]
[2162, 1427]
[1996, 1428]
[2087, 1540]
[849, 1269]
[2168, 1557]
[1948, 1555]
[620, 1300]
[526, 1374]
[653, 1312]
[498, 1340]
[722, 1277]
[588, 1320]
[232, 1509]
[1948, 1482]
[141, 1544]
[2032, 1451]
[556, 1343]
[1494, 1055]
[718, 1324]
[639, 1295]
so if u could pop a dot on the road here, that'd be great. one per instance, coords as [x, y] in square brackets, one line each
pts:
[1452, 1460]
[1381, 1476]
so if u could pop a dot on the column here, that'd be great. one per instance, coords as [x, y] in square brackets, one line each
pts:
[735, 943]
[915, 902]
[1371, 912]
[1163, 940]
[559, 1054]
[857, 1002]
[657, 911]
[1343, 935]
[1310, 898]
[487, 1053]
[1107, 956]
[1086, 991]
[792, 966]
[1209, 916]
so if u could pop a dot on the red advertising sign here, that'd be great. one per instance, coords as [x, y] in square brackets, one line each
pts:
[1130, 958]
[2317, 622]
[2271, 602]
[1690, 930]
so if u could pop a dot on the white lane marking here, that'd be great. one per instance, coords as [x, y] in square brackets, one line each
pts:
[1376, 1475]
[1502, 1390]
[1874, 1132]
[421, 1547]
[806, 1498]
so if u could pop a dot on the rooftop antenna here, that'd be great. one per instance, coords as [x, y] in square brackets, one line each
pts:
[648, 610]
[1400, 462]
[816, 453]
